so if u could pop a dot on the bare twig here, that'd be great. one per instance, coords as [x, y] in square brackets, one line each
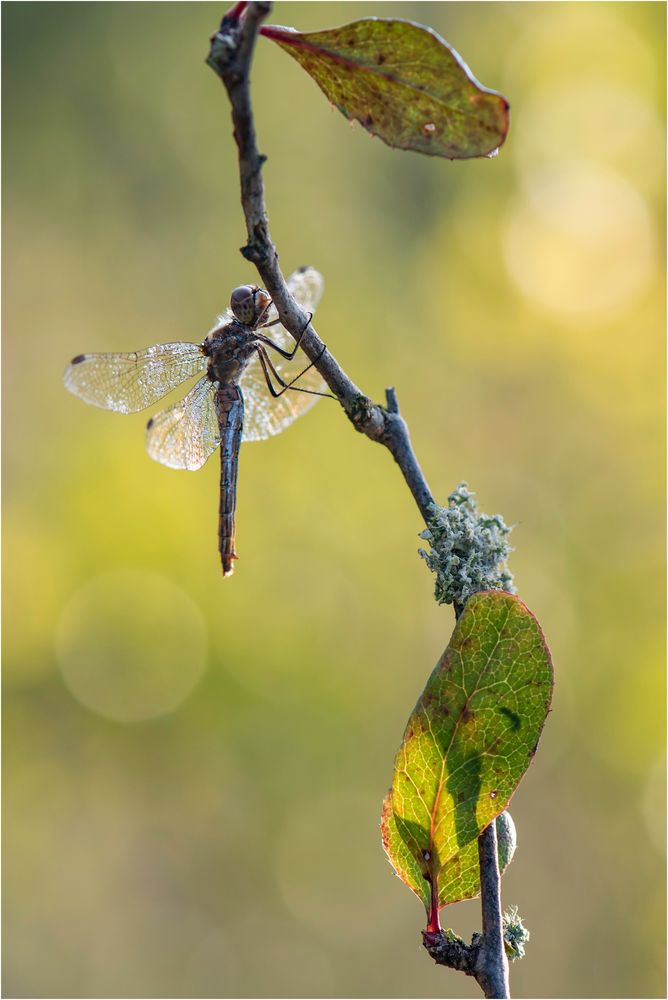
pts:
[231, 55]
[449, 950]
[491, 966]
[485, 958]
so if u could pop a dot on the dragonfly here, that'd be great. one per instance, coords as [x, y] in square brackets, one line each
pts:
[242, 394]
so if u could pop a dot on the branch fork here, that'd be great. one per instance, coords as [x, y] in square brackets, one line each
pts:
[230, 57]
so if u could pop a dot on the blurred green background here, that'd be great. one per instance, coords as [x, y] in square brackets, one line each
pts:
[194, 769]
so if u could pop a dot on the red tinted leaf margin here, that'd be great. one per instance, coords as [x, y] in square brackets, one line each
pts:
[403, 83]
[468, 742]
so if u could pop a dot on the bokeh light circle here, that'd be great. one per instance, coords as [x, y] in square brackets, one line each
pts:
[580, 242]
[131, 645]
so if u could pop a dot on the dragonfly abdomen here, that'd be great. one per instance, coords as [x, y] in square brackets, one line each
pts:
[230, 409]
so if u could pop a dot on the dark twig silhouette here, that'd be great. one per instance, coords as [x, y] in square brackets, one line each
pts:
[231, 55]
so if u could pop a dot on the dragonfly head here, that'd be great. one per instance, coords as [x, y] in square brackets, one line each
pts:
[249, 303]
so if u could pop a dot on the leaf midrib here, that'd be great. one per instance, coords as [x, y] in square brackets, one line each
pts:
[452, 737]
[349, 62]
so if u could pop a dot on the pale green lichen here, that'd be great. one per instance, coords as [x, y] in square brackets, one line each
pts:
[515, 934]
[469, 550]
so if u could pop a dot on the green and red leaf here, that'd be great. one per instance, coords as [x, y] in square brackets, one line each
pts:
[403, 83]
[460, 876]
[468, 742]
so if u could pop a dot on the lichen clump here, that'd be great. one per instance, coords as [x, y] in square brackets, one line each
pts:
[515, 934]
[469, 550]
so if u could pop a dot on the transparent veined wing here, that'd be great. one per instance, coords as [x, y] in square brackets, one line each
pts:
[306, 287]
[264, 414]
[184, 435]
[130, 382]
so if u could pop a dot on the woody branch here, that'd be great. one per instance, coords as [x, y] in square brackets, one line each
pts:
[231, 55]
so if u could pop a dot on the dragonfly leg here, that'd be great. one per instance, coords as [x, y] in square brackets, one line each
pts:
[268, 367]
[259, 322]
[285, 354]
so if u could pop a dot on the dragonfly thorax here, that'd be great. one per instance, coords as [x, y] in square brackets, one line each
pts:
[229, 349]
[249, 304]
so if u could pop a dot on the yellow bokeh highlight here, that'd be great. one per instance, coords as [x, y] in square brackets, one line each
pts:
[131, 645]
[580, 242]
[191, 763]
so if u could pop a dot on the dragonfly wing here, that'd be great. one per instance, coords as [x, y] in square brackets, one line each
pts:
[306, 286]
[265, 415]
[184, 435]
[130, 382]
[222, 320]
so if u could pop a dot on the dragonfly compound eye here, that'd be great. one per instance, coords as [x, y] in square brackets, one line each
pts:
[249, 303]
[242, 303]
